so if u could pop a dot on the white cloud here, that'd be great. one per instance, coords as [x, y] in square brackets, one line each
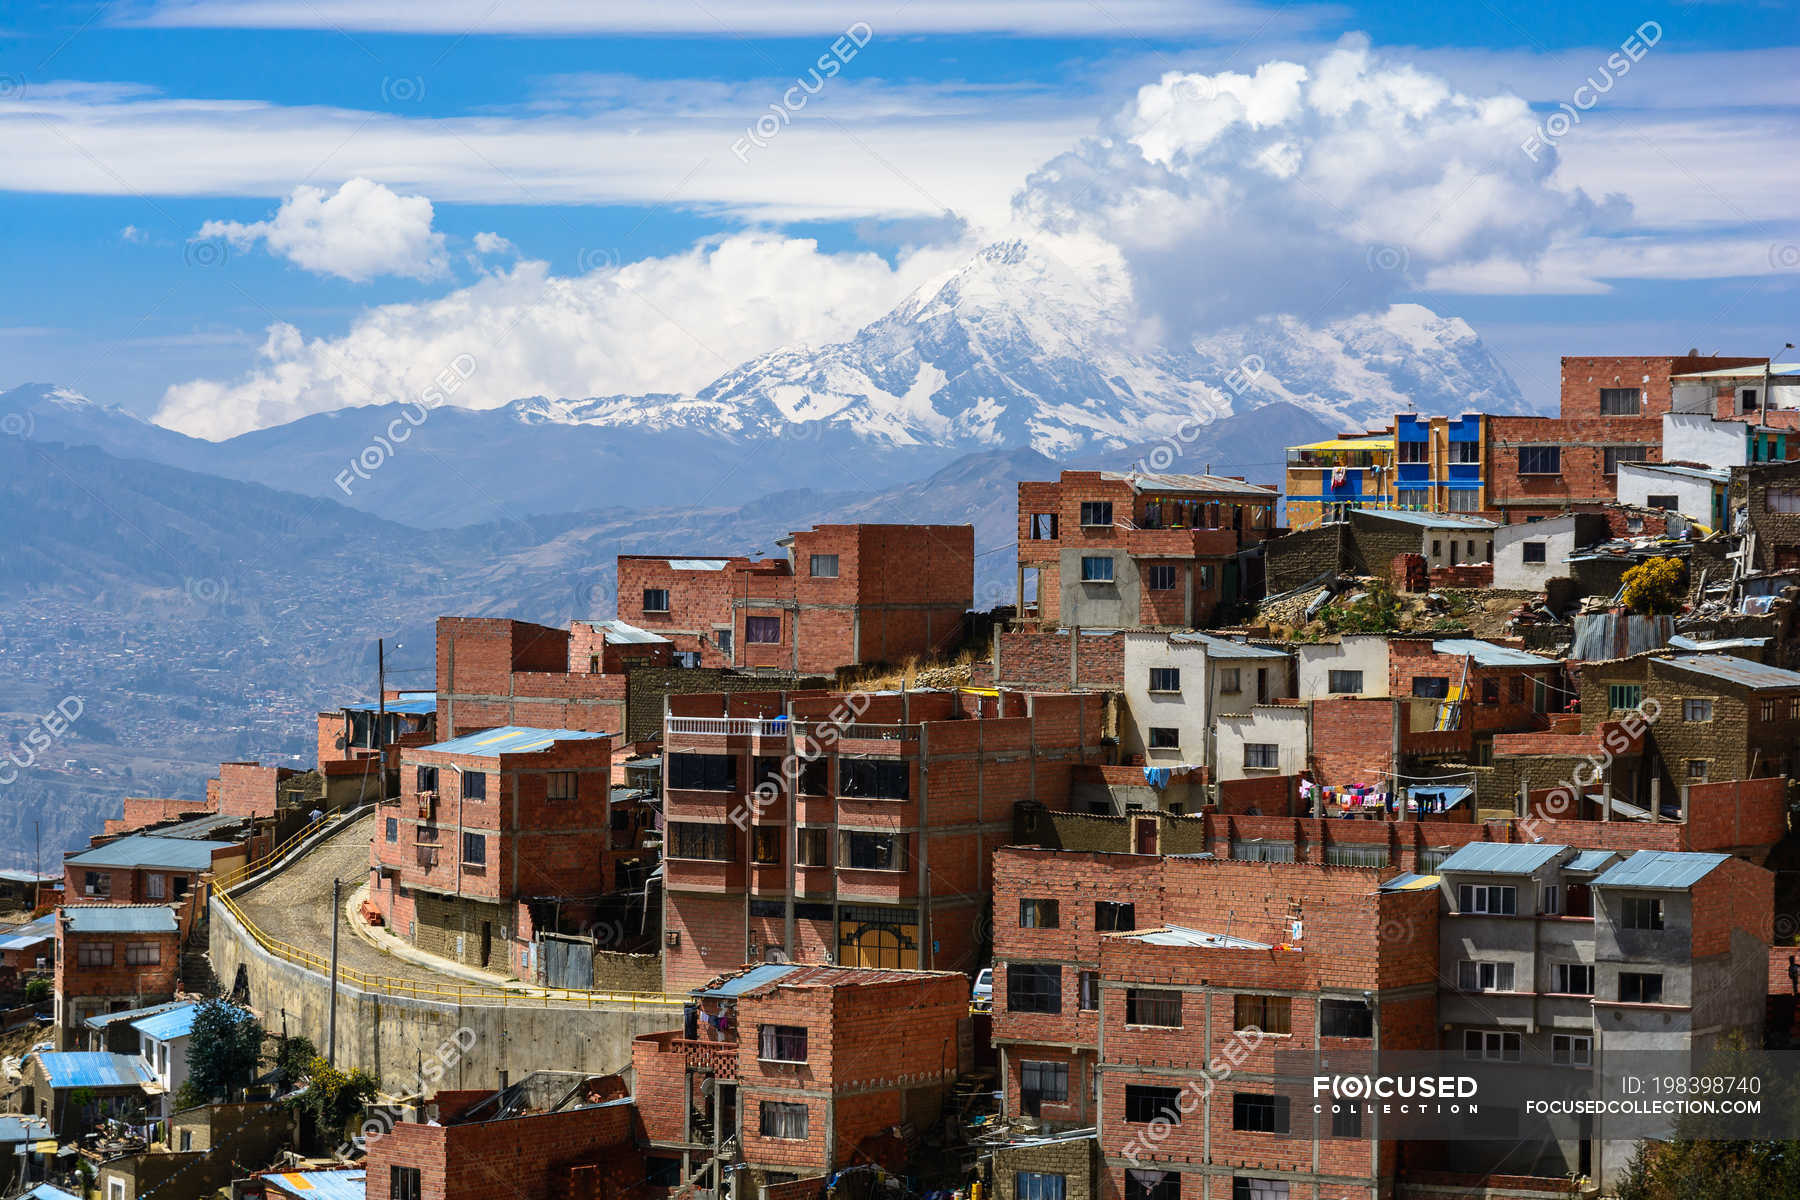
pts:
[662, 324]
[493, 243]
[361, 231]
[134, 235]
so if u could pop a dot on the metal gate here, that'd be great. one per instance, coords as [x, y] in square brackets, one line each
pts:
[566, 962]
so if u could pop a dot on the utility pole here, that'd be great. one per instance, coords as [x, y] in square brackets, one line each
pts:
[381, 708]
[331, 1019]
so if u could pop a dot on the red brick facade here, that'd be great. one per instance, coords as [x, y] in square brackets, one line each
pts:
[99, 971]
[493, 671]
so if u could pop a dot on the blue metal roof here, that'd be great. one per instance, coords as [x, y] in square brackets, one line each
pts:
[29, 934]
[1430, 520]
[756, 977]
[45, 1191]
[102, 1020]
[510, 739]
[1741, 671]
[406, 708]
[1500, 858]
[1590, 860]
[95, 1069]
[15, 1128]
[170, 1024]
[1669, 870]
[1682, 641]
[119, 918]
[320, 1185]
[1486, 654]
[147, 850]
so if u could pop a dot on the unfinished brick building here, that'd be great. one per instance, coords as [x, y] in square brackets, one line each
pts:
[843, 596]
[792, 1072]
[873, 848]
[1112, 549]
[111, 958]
[495, 671]
[495, 838]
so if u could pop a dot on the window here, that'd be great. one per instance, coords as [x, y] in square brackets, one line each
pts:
[781, 1120]
[1161, 577]
[1033, 988]
[1044, 1082]
[1152, 1185]
[403, 1183]
[1533, 552]
[426, 779]
[765, 845]
[474, 850]
[1346, 1019]
[1780, 499]
[1612, 456]
[94, 954]
[1490, 691]
[1153, 1006]
[1261, 756]
[1038, 1185]
[1671, 503]
[1639, 987]
[873, 851]
[1349, 854]
[1431, 687]
[1490, 1045]
[1038, 914]
[142, 954]
[97, 883]
[1254, 1112]
[1344, 682]
[155, 886]
[1540, 460]
[1144, 1104]
[1550, 899]
[1413, 452]
[1572, 979]
[815, 848]
[762, 631]
[560, 786]
[1641, 912]
[874, 778]
[781, 1043]
[1271, 1014]
[703, 772]
[1491, 898]
[1111, 916]
[1464, 500]
[1620, 402]
[1043, 527]
[1570, 1050]
[1087, 991]
[187, 1140]
[656, 600]
[1162, 737]
[1515, 690]
[1413, 497]
[1165, 679]
[1096, 512]
[1096, 568]
[1465, 452]
[1261, 850]
[1206, 577]
[1484, 976]
[474, 785]
[1696, 770]
[1230, 680]
[693, 839]
[1346, 1120]
[823, 566]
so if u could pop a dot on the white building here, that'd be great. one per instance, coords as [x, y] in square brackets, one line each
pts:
[1445, 540]
[1355, 664]
[163, 1045]
[1270, 739]
[1699, 494]
[1178, 684]
[1528, 555]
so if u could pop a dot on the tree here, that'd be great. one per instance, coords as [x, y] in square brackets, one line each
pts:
[224, 1049]
[1658, 585]
[37, 988]
[333, 1096]
[293, 1058]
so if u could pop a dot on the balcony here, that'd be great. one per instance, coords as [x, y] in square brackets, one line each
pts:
[714, 1058]
[728, 726]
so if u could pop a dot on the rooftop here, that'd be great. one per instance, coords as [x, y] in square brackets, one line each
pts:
[103, 1020]
[618, 633]
[767, 976]
[1181, 935]
[1775, 369]
[1590, 860]
[1500, 858]
[17, 1128]
[1427, 519]
[171, 1023]
[22, 937]
[1487, 654]
[1713, 475]
[95, 1069]
[151, 850]
[341, 1184]
[1377, 442]
[119, 918]
[1740, 671]
[1663, 870]
[510, 739]
[407, 707]
[1218, 647]
[1206, 484]
[699, 564]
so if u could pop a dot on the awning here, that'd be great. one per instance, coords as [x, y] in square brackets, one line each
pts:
[1410, 882]
[1349, 444]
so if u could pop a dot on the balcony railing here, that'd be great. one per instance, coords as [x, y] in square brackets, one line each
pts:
[717, 1058]
[729, 726]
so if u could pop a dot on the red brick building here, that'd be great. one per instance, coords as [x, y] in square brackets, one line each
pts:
[110, 958]
[495, 836]
[844, 595]
[880, 832]
[1112, 549]
[494, 671]
[371, 730]
[794, 1071]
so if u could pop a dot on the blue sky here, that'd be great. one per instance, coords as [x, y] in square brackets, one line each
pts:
[547, 165]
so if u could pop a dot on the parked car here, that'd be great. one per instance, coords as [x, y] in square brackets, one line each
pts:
[981, 996]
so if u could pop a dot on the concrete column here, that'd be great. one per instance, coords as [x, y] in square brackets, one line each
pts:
[1074, 656]
[1606, 801]
[1524, 797]
[1655, 798]
[1684, 804]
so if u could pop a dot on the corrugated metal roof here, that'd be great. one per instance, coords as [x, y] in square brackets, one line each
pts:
[1410, 882]
[699, 564]
[144, 850]
[1500, 858]
[199, 827]
[103, 1020]
[1708, 474]
[14, 1128]
[95, 1069]
[1741, 671]
[1590, 860]
[30, 933]
[1487, 654]
[46, 1191]
[1429, 520]
[1146, 482]
[510, 739]
[1669, 870]
[758, 976]
[173, 1023]
[9, 875]
[1682, 641]
[1181, 935]
[119, 918]
[1776, 369]
[320, 1185]
[406, 708]
[1218, 647]
[620, 634]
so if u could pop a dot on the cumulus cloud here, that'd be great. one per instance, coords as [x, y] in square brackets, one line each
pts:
[1311, 189]
[361, 231]
[134, 235]
[662, 324]
[492, 243]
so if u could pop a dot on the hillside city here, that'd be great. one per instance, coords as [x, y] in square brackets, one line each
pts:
[1416, 825]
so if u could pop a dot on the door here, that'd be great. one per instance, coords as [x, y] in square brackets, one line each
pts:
[567, 962]
[487, 942]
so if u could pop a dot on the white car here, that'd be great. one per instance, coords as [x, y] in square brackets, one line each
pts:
[981, 996]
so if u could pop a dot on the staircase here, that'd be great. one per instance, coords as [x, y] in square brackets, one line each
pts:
[196, 964]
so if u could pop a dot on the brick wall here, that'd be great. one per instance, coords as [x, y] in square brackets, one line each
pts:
[1582, 477]
[646, 687]
[248, 789]
[526, 1157]
[139, 812]
[1353, 740]
[1041, 658]
[1464, 576]
[1298, 558]
[1584, 376]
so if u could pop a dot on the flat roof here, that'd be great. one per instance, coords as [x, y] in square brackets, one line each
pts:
[119, 918]
[1428, 520]
[1218, 647]
[1500, 858]
[698, 564]
[1707, 473]
[619, 633]
[1181, 935]
[1662, 870]
[1410, 882]
[1741, 671]
[1590, 860]
[510, 739]
[416, 707]
[1487, 654]
[343, 1184]
[95, 1069]
[18, 1127]
[1146, 482]
[148, 850]
[1365, 443]
[171, 1023]
[1743, 372]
